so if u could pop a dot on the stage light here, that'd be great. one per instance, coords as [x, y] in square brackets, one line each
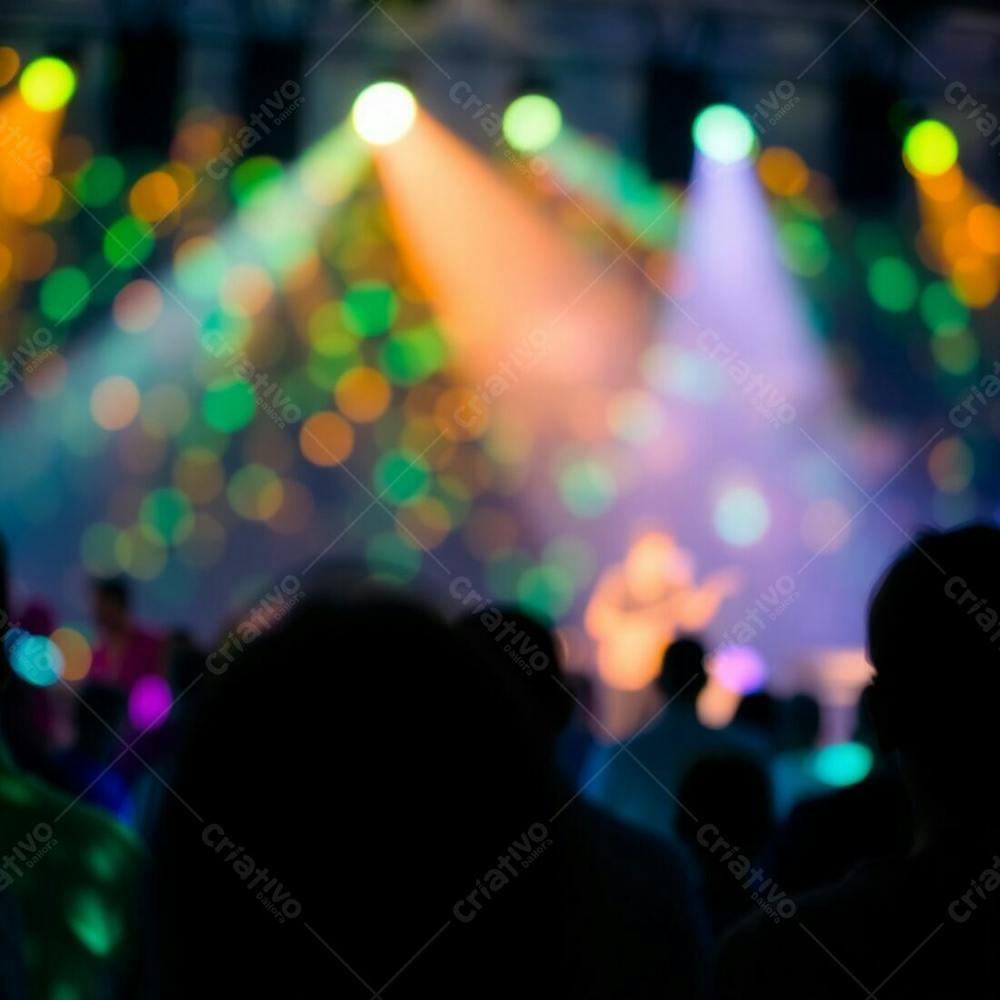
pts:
[740, 669]
[893, 284]
[531, 123]
[842, 764]
[76, 652]
[930, 147]
[383, 113]
[723, 133]
[587, 487]
[47, 84]
[955, 351]
[64, 293]
[741, 516]
[783, 172]
[401, 476]
[34, 658]
[149, 702]
[940, 309]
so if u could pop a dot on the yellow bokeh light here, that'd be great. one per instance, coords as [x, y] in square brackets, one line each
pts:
[984, 227]
[154, 196]
[198, 473]
[782, 171]
[326, 438]
[140, 555]
[21, 194]
[50, 199]
[427, 520]
[975, 281]
[461, 414]
[47, 84]
[362, 394]
[10, 63]
[77, 655]
[945, 187]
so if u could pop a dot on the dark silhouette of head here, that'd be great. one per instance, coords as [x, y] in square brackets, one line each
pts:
[759, 712]
[523, 651]
[682, 675]
[934, 641]
[800, 722]
[725, 794]
[110, 602]
[375, 770]
[731, 790]
[98, 715]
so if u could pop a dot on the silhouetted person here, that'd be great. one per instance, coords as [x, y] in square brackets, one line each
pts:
[801, 721]
[576, 741]
[362, 799]
[831, 831]
[640, 786]
[521, 651]
[88, 768]
[27, 715]
[124, 650]
[925, 923]
[149, 786]
[71, 873]
[728, 795]
[758, 714]
[792, 773]
[12, 972]
[647, 894]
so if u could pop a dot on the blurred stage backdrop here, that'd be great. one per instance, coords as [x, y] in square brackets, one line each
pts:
[649, 319]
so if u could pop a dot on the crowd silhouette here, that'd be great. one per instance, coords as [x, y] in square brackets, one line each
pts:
[373, 798]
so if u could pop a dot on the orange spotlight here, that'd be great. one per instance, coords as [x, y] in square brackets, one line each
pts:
[961, 231]
[515, 295]
[28, 195]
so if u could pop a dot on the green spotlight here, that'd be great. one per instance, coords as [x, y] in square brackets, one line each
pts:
[531, 123]
[723, 133]
[930, 147]
[47, 83]
[384, 112]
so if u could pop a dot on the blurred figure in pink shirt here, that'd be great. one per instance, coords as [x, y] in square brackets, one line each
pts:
[124, 651]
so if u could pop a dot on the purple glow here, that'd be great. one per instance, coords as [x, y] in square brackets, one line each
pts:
[149, 703]
[778, 432]
[739, 668]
